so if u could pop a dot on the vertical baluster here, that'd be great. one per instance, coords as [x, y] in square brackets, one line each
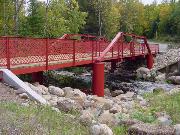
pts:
[74, 52]
[47, 53]
[8, 53]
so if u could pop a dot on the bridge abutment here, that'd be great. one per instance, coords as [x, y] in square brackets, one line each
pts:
[37, 77]
[150, 61]
[98, 79]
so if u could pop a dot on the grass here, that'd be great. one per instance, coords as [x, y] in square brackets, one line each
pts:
[120, 130]
[159, 102]
[37, 120]
[163, 102]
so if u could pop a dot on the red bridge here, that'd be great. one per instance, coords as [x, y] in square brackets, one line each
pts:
[34, 55]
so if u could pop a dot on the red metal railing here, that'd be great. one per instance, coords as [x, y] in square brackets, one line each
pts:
[21, 53]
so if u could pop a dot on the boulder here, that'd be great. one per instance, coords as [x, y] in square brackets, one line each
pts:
[101, 102]
[116, 93]
[127, 97]
[140, 98]
[143, 73]
[160, 78]
[47, 97]
[56, 91]
[107, 92]
[67, 90]
[20, 91]
[23, 96]
[100, 129]
[148, 129]
[86, 117]
[164, 121]
[143, 103]
[77, 96]
[116, 109]
[177, 129]
[129, 122]
[108, 118]
[174, 79]
[67, 105]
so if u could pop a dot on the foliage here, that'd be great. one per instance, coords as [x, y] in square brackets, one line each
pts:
[37, 119]
[120, 130]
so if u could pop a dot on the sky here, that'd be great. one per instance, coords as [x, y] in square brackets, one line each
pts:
[150, 1]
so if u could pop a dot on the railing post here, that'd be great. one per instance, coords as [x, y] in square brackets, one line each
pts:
[92, 52]
[74, 52]
[47, 53]
[8, 53]
[179, 61]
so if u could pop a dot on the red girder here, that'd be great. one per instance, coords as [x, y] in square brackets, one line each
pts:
[27, 55]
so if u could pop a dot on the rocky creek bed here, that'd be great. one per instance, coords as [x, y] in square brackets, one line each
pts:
[124, 103]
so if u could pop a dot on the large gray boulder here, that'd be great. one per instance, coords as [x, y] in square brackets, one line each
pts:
[86, 117]
[100, 129]
[67, 105]
[174, 79]
[56, 91]
[143, 73]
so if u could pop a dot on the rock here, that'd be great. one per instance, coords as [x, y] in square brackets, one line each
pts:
[143, 73]
[140, 98]
[101, 102]
[20, 91]
[129, 122]
[26, 104]
[43, 89]
[67, 105]
[143, 103]
[47, 97]
[55, 109]
[108, 118]
[177, 129]
[77, 96]
[53, 102]
[67, 90]
[116, 93]
[158, 90]
[127, 97]
[86, 117]
[169, 57]
[100, 129]
[164, 121]
[174, 79]
[107, 92]
[116, 109]
[148, 129]
[161, 78]
[23, 96]
[56, 91]
[174, 91]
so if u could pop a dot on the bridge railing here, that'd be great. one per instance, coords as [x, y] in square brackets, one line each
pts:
[17, 52]
[120, 47]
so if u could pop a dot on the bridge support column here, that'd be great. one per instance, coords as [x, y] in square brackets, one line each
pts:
[150, 61]
[37, 77]
[98, 79]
